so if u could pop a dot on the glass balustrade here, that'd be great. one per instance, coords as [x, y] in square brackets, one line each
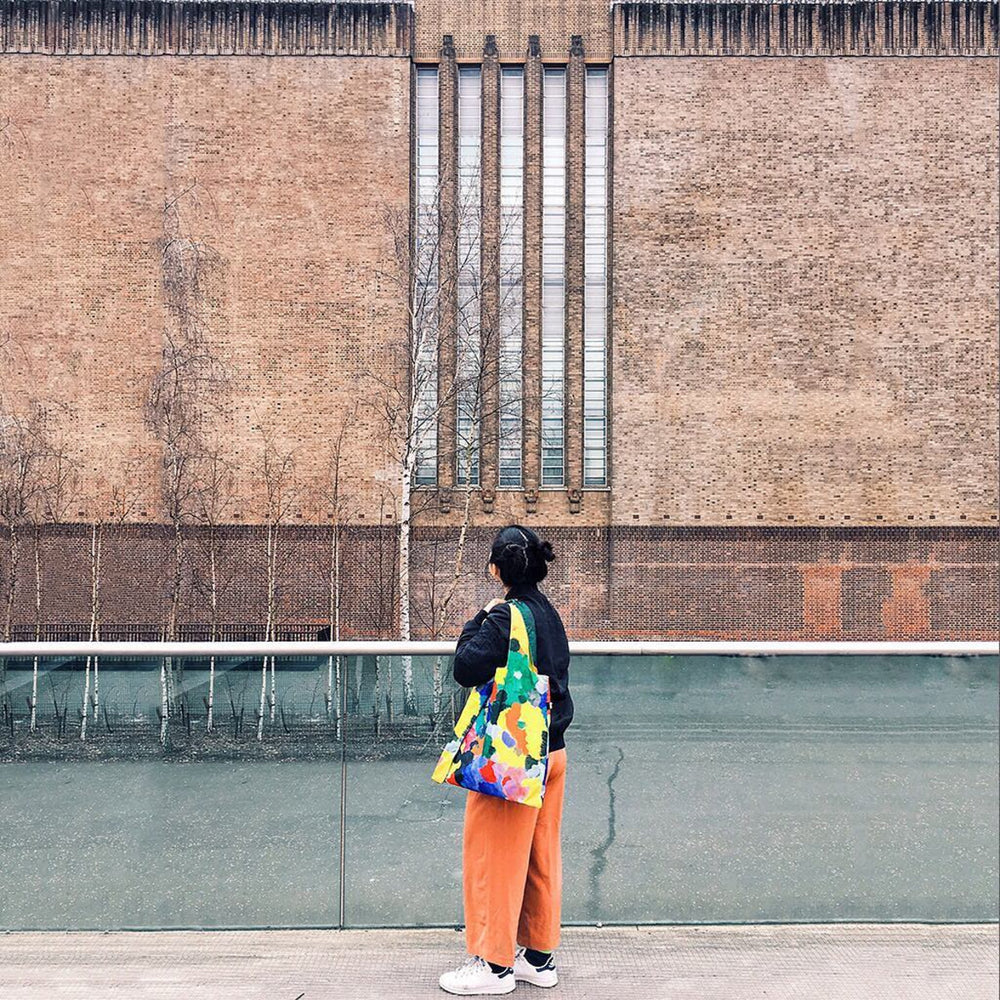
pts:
[700, 788]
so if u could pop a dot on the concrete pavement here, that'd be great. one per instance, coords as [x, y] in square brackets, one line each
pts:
[707, 962]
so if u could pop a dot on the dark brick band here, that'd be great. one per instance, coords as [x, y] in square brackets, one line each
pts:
[640, 582]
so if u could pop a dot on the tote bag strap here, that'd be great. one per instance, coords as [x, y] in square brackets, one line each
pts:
[529, 626]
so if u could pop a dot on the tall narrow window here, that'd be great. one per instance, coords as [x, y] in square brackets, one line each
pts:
[553, 274]
[595, 279]
[424, 310]
[469, 361]
[511, 271]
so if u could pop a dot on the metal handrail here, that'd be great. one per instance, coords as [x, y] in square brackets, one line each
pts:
[641, 647]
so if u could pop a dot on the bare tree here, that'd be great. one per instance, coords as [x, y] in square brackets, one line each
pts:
[214, 494]
[117, 498]
[438, 606]
[183, 397]
[444, 277]
[277, 469]
[377, 578]
[22, 450]
[37, 482]
[60, 483]
[341, 509]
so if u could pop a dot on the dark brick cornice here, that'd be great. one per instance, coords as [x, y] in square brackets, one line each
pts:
[280, 27]
[756, 28]
[204, 27]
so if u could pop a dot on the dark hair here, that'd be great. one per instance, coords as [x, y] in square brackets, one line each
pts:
[520, 555]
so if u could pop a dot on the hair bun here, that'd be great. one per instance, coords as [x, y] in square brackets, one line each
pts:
[520, 559]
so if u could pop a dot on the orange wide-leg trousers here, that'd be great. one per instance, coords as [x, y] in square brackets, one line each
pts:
[512, 870]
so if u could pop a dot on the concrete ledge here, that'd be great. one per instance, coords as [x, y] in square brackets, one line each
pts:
[779, 962]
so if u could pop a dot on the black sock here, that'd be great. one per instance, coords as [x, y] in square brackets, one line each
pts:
[537, 958]
[498, 968]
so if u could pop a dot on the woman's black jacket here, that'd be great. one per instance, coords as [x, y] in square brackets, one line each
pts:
[485, 639]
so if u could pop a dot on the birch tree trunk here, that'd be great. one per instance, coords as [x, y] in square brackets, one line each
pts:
[169, 692]
[438, 679]
[11, 584]
[164, 695]
[272, 617]
[177, 680]
[335, 664]
[409, 701]
[267, 633]
[95, 550]
[38, 633]
[97, 625]
[214, 601]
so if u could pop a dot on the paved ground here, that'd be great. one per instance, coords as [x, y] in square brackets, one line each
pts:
[790, 962]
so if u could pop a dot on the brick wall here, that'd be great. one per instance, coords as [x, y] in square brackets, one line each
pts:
[273, 172]
[804, 373]
[512, 21]
[627, 583]
[805, 297]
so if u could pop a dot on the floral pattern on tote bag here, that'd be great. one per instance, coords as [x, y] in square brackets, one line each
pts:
[502, 736]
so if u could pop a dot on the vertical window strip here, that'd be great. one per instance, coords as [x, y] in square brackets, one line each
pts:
[595, 279]
[511, 272]
[553, 274]
[468, 268]
[424, 312]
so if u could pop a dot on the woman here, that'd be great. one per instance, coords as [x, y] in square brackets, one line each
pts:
[511, 858]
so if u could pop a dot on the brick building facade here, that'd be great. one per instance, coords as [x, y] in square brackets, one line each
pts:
[753, 252]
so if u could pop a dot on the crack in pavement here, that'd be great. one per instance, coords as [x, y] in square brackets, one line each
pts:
[600, 853]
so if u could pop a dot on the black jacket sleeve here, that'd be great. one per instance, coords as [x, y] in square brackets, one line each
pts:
[482, 646]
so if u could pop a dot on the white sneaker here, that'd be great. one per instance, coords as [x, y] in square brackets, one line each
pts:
[475, 977]
[525, 972]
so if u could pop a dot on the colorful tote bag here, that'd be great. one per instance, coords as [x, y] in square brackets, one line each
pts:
[502, 736]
